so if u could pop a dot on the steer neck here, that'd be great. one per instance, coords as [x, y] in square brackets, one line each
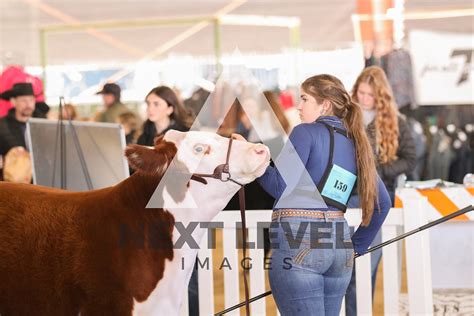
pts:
[136, 190]
[210, 198]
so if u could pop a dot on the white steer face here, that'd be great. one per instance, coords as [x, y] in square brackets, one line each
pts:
[202, 152]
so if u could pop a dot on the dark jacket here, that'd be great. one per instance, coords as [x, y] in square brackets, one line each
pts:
[12, 132]
[41, 110]
[149, 132]
[406, 154]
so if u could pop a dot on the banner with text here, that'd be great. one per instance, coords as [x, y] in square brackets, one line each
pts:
[443, 67]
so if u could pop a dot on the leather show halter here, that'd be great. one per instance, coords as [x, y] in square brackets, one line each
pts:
[222, 173]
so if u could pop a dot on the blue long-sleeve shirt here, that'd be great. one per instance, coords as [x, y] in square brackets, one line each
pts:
[311, 143]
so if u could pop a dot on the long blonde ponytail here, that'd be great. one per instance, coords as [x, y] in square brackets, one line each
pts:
[327, 87]
[366, 171]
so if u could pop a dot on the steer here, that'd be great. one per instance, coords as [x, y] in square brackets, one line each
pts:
[102, 252]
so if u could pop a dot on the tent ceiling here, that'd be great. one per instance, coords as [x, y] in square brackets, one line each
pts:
[325, 23]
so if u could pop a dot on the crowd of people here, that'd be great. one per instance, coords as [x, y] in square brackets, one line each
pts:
[370, 137]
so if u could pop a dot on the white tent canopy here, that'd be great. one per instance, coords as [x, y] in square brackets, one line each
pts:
[324, 25]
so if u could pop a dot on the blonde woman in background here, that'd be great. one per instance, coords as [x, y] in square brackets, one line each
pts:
[388, 131]
[391, 142]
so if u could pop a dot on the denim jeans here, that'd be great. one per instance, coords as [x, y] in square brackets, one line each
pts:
[307, 277]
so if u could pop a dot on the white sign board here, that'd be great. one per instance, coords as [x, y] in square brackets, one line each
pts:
[443, 67]
[101, 145]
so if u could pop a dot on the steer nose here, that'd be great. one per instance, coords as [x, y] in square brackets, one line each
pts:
[260, 149]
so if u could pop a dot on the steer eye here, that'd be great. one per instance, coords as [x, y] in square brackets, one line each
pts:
[200, 148]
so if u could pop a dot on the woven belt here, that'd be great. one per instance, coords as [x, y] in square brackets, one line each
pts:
[307, 213]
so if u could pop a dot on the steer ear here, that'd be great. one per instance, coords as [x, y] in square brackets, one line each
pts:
[176, 185]
[174, 136]
[151, 160]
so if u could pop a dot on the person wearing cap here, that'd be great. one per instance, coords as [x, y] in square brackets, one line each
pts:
[13, 126]
[113, 107]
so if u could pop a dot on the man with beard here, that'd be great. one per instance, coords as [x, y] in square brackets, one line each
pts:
[13, 126]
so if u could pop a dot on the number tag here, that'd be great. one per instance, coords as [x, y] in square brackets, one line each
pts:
[339, 184]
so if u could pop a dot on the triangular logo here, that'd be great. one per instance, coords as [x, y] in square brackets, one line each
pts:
[236, 82]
